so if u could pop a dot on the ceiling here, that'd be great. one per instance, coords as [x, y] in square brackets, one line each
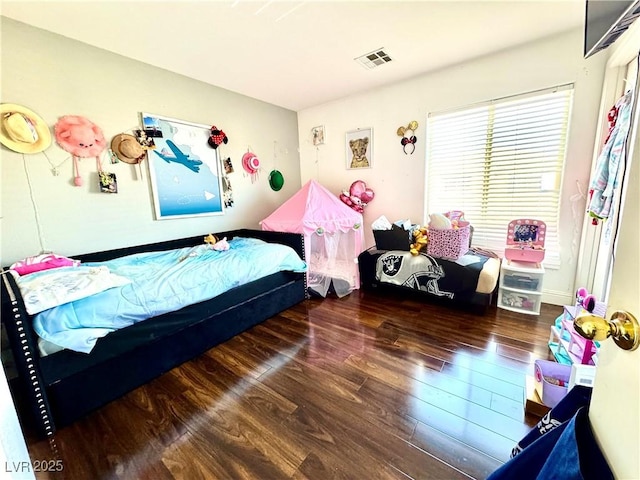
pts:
[299, 54]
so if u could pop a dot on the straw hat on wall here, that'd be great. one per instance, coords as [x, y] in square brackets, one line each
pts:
[22, 130]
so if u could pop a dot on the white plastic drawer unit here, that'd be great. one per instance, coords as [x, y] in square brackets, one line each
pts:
[520, 286]
[519, 301]
[522, 281]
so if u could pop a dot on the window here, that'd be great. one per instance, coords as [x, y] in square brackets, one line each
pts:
[499, 161]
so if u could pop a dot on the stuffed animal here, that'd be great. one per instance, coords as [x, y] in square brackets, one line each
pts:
[216, 244]
[420, 240]
[81, 138]
[211, 239]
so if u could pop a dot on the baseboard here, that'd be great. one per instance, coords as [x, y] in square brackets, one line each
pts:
[555, 297]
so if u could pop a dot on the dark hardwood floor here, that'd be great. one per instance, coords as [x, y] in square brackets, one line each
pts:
[371, 386]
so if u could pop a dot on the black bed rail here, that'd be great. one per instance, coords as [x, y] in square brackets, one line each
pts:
[23, 343]
[293, 240]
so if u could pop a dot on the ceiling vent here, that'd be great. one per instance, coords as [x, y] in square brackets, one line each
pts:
[374, 59]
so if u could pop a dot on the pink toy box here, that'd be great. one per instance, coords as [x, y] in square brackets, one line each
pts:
[525, 240]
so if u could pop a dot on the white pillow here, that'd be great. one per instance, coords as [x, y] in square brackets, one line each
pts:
[438, 220]
[50, 288]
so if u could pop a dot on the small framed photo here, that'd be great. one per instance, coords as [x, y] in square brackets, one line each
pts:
[359, 148]
[318, 135]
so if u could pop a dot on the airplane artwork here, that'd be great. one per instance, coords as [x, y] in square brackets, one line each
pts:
[178, 157]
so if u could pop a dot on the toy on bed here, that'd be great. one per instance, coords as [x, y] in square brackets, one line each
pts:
[420, 240]
[525, 240]
[217, 244]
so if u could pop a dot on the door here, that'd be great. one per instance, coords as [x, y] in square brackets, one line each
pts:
[615, 405]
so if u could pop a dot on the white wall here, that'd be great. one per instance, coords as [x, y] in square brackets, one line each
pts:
[56, 76]
[398, 179]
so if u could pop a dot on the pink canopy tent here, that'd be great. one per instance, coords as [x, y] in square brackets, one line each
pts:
[333, 237]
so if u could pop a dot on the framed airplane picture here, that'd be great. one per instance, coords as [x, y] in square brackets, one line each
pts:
[183, 168]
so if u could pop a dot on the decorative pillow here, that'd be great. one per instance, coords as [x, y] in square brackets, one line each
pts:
[46, 261]
[50, 288]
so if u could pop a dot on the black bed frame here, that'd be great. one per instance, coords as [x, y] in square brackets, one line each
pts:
[66, 385]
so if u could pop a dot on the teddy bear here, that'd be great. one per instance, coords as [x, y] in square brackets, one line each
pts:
[420, 240]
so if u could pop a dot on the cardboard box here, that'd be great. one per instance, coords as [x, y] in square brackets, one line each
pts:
[532, 402]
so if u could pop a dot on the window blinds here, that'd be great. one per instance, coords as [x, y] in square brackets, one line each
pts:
[499, 161]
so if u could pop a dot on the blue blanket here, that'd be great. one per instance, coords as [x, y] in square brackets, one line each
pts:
[161, 282]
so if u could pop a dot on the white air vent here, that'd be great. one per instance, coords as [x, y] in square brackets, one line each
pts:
[374, 59]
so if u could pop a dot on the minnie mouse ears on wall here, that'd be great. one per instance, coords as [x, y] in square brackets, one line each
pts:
[408, 137]
[217, 137]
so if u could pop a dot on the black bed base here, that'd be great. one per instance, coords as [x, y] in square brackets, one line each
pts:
[65, 386]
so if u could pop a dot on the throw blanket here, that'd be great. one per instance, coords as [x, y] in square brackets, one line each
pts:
[439, 277]
[161, 282]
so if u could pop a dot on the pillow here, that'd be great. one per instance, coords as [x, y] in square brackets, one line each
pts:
[38, 263]
[438, 220]
[50, 288]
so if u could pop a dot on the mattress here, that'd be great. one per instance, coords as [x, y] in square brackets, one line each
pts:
[158, 283]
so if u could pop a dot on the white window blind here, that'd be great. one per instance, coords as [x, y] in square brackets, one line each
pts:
[499, 161]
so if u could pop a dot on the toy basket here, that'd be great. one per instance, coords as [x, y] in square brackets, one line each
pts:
[449, 243]
[552, 380]
[395, 239]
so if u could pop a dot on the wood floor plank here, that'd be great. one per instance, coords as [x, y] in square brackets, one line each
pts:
[372, 385]
[470, 434]
[444, 401]
[507, 389]
[474, 462]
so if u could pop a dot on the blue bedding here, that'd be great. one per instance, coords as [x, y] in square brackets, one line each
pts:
[161, 282]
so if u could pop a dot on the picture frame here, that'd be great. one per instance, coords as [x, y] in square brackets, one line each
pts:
[318, 135]
[184, 170]
[359, 148]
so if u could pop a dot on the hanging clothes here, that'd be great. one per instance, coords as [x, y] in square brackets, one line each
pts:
[611, 161]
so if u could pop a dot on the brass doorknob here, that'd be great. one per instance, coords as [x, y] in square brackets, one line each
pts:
[622, 326]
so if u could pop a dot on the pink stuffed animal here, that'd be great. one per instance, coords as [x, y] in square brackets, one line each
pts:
[81, 138]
